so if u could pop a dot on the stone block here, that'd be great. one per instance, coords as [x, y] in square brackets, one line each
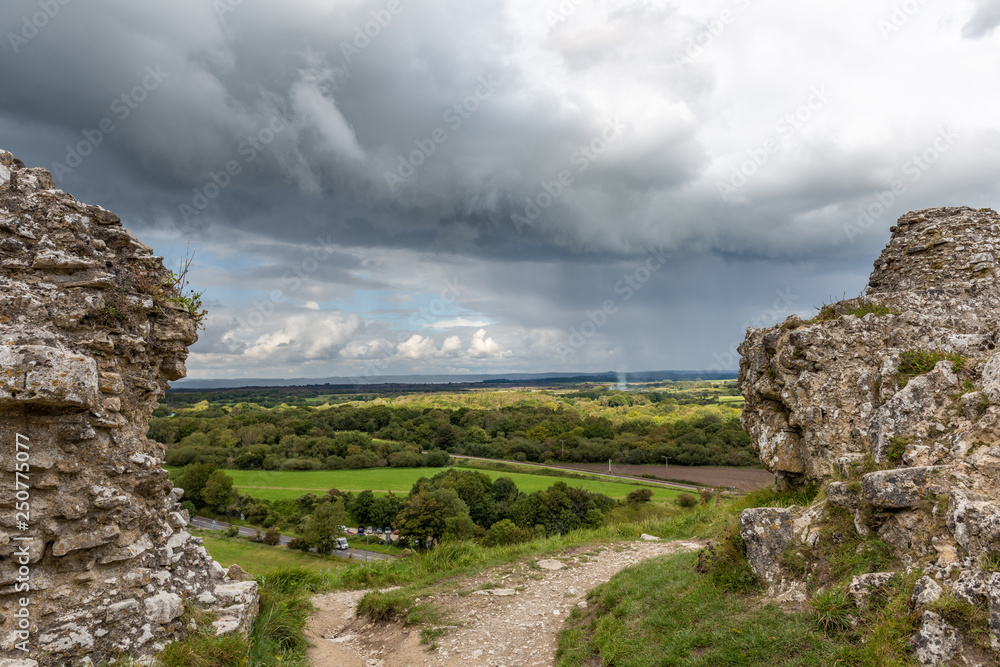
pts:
[47, 376]
[862, 585]
[937, 642]
[766, 533]
[925, 591]
[88, 540]
[163, 607]
[974, 521]
[896, 489]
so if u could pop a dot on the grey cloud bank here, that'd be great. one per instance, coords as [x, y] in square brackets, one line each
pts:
[452, 140]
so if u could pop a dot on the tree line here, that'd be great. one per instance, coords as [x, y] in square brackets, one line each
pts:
[452, 505]
[247, 436]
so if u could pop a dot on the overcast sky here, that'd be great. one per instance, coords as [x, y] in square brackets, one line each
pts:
[392, 186]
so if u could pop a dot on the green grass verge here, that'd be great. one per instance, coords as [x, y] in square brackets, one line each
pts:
[260, 558]
[277, 637]
[661, 612]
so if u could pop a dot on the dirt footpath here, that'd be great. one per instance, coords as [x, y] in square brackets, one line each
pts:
[505, 617]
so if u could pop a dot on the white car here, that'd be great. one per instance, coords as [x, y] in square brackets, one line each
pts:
[341, 544]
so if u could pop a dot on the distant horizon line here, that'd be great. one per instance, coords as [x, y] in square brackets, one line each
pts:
[445, 378]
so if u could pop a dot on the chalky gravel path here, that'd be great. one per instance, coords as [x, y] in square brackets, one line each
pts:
[508, 616]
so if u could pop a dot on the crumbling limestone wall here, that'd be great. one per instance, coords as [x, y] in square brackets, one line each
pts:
[94, 558]
[914, 456]
[824, 390]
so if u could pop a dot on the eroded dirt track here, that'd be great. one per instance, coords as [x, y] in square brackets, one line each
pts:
[508, 616]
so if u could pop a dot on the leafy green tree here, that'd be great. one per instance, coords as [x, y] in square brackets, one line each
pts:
[323, 525]
[361, 508]
[473, 487]
[459, 527]
[218, 490]
[193, 479]
[385, 509]
[445, 436]
[422, 516]
[504, 490]
[406, 460]
[475, 434]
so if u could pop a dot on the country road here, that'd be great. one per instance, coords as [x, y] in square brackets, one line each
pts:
[211, 524]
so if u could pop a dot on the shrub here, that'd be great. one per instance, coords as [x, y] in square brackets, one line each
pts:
[233, 531]
[298, 544]
[272, 536]
[301, 464]
[706, 495]
[686, 500]
[505, 532]
[639, 496]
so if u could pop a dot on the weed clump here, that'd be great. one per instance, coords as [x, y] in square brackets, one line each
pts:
[917, 362]
[724, 562]
[832, 610]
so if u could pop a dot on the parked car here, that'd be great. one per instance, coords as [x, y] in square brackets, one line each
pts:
[370, 531]
[341, 544]
[361, 530]
[343, 529]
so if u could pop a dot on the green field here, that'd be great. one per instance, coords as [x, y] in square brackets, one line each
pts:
[260, 558]
[279, 484]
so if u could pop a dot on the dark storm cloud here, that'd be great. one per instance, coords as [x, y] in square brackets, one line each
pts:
[534, 152]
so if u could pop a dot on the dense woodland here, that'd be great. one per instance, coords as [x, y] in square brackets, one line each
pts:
[692, 423]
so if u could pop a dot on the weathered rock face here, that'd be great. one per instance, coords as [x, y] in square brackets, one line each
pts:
[823, 391]
[98, 564]
[891, 401]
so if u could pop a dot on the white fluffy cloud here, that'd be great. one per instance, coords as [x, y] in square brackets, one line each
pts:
[484, 347]
[304, 337]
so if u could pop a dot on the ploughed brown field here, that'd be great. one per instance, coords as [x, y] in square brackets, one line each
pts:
[744, 479]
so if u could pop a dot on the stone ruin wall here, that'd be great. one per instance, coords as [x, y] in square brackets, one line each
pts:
[915, 458]
[88, 341]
